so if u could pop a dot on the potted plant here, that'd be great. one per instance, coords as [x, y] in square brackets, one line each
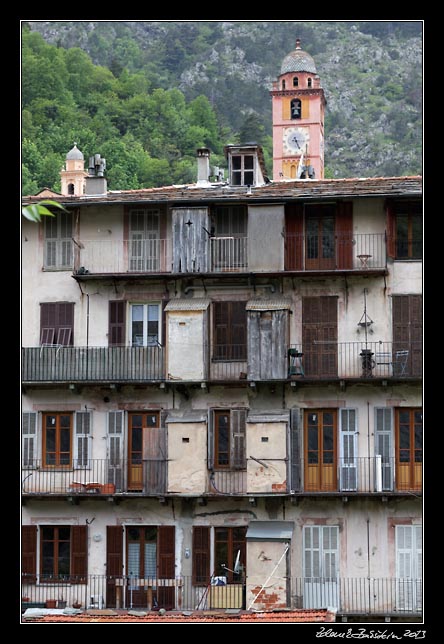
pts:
[76, 604]
[51, 603]
[61, 603]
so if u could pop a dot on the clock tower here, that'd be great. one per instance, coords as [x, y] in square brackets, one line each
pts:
[298, 104]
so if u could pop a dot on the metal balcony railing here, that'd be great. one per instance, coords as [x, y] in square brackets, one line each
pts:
[332, 252]
[54, 363]
[351, 475]
[383, 596]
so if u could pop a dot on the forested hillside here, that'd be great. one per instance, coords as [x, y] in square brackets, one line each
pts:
[145, 95]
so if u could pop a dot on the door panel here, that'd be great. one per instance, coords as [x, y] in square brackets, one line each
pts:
[320, 251]
[143, 447]
[408, 449]
[320, 459]
[320, 336]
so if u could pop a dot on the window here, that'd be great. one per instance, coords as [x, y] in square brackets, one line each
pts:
[70, 189]
[29, 438]
[408, 441]
[295, 81]
[58, 232]
[321, 566]
[145, 329]
[229, 243]
[83, 436]
[227, 439]
[409, 568]
[56, 323]
[383, 448]
[309, 82]
[242, 170]
[57, 430]
[142, 551]
[320, 458]
[404, 230]
[296, 108]
[144, 240]
[407, 335]
[230, 331]
[229, 547]
[63, 553]
[283, 84]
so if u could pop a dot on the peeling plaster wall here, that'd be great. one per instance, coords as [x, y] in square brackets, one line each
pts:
[185, 346]
[267, 575]
[187, 470]
[272, 452]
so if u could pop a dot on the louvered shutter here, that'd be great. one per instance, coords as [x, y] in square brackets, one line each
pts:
[201, 555]
[116, 323]
[114, 560]
[115, 438]
[29, 554]
[294, 229]
[295, 449]
[79, 553]
[238, 330]
[166, 563]
[48, 322]
[390, 230]
[238, 439]
[383, 447]
[210, 440]
[348, 447]
[29, 439]
[82, 440]
[344, 234]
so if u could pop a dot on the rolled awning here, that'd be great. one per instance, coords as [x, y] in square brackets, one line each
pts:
[184, 304]
[270, 304]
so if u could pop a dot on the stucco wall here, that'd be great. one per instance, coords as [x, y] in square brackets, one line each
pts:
[185, 345]
[266, 442]
[187, 454]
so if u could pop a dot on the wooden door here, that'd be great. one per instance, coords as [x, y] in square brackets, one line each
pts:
[294, 229]
[320, 244]
[137, 423]
[408, 449]
[320, 453]
[407, 334]
[320, 336]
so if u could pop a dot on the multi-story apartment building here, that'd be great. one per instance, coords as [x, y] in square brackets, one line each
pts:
[222, 385]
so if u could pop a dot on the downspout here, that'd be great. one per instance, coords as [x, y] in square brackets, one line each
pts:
[368, 565]
[87, 335]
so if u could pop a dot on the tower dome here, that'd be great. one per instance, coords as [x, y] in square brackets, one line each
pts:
[298, 61]
[74, 154]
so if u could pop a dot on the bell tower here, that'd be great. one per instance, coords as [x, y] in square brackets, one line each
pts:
[298, 105]
[73, 175]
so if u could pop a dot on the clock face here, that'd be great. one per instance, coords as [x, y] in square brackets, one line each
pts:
[295, 140]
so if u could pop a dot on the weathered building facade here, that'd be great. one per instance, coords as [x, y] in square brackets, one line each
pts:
[222, 395]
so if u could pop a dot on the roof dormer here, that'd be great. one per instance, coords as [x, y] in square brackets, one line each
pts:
[246, 165]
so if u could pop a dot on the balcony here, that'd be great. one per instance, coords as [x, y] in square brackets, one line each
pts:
[382, 596]
[101, 478]
[364, 252]
[47, 364]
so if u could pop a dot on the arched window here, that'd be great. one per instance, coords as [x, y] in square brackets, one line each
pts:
[309, 81]
[295, 108]
[295, 81]
[283, 84]
[70, 188]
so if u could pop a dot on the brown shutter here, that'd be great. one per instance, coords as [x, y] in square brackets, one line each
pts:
[320, 335]
[344, 234]
[294, 228]
[391, 230]
[238, 421]
[238, 331]
[201, 555]
[221, 336]
[164, 329]
[48, 322]
[166, 565]
[29, 554]
[57, 323]
[116, 323]
[407, 330]
[114, 560]
[79, 553]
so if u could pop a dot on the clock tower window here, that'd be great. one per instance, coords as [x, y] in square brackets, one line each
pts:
[283, 84]
[295, 81]
[309, 82]
[295, 108]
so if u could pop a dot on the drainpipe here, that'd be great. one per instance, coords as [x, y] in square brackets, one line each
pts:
[87, 335]
[368, 563]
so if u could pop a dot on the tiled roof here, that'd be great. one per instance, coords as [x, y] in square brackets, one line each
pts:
[270, 192]
[195, 617]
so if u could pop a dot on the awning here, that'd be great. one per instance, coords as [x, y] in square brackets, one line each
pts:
[270, 530]
[270, 304]
[187, 416]
[269, 417]
[184, 304]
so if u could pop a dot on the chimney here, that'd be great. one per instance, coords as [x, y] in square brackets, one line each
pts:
[203, 166]
[95, 182]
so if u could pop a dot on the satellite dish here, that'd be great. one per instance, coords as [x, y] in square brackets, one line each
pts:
[236, 564]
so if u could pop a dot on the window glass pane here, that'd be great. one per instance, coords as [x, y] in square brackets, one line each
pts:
[137, 325]
[133, 534]
[248, 178]
[150, 560]
[402, 236]
[48, 558]
[236, 179]
[134, 559]
[248, 162]
[236, 162]
[150, 533]
[328, 444]
[50, 440]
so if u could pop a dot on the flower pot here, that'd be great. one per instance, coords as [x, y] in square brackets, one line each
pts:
[77, 605]
[51, 603]
[108, 488]
[61, 603]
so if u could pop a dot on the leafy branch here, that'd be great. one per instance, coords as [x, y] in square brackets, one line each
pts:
[35, 211]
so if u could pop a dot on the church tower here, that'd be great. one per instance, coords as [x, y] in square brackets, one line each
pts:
[73, 175]
[298, 105]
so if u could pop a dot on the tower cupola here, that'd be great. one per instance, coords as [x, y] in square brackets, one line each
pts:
[73, 174]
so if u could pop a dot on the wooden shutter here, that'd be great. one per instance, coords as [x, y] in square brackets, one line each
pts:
[238, 439]
[79, 553]
[166, 563]
[114, 560]
[295, 449]
[294, 241]
[390, 230]
[29, 439]
[221, 330]
[201, 556]
[384, 447]
[57, 323]
[210, 440]
[407, 330]
[29, 554]
[82, 440]
[344, 234]
[238, 330]
[115, 438]
[48, 322]
[348, 450]
[116, 323]
[320, 335]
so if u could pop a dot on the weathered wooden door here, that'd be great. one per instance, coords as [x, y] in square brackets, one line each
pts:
[320, 244]
[190, 240]
[320, 459]
[138, 428]
[320, 336]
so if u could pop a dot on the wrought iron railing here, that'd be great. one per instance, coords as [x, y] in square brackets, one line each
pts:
[383, 596]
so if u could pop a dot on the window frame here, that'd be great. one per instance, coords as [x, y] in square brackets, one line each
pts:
[145, 323]
[55, 225]
[58, 453]
[410, 241]
[239, 173]
[228, 312]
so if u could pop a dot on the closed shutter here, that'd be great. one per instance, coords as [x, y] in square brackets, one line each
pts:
[29, 439]
[201, 555]
[166, 563]
[407, 333]
[48, 323]
[320, 335]
[390, 230]
[238, 329]
[116, 323]
[57, 323]
[114, 560]
[82, 440]
[210, 440]
[409, 568]
[79, 553]
[383, 449]
[29, 554]
[295, 450]
[115, 449]
[348, 447]
[294, 229]
[238, 439]
[344, 234]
